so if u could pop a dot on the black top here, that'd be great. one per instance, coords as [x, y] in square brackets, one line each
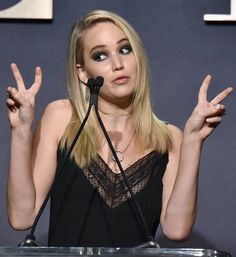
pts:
[92, 207]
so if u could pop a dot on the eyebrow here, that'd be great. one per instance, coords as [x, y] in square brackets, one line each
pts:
[102, 46]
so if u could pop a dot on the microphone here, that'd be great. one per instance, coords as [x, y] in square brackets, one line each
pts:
[94, 85]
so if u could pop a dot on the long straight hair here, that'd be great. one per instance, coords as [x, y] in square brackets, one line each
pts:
[149, 130]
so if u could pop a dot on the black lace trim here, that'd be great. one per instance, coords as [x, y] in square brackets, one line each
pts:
[112, 187]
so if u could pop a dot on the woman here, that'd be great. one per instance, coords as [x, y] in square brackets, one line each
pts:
[90, 205]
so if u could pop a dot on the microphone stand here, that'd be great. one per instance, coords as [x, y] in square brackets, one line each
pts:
[30, 238]
[94, 86]
[150, 241]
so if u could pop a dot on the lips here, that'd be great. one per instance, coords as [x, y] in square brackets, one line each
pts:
[121, 80]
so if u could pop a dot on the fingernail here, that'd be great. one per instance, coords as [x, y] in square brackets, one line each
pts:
[13, 90]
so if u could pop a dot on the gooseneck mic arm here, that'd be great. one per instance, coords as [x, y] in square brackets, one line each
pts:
[149, 237]
[94, 90]
[150, 241]
[94, 86]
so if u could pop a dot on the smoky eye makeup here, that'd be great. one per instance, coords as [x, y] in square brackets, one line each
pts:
[126, 49]
[99, 56]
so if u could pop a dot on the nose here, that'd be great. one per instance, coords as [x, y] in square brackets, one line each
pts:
[117, 63]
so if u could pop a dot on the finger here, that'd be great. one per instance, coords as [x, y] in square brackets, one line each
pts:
[18, 78]
[9, 92]
[213, 111]
[208, 128]
[37, 80]
[214, 120]
[221, 96]
[11, 105]
[202, 95]
[15, 95]
[10, 102]
[217, 107]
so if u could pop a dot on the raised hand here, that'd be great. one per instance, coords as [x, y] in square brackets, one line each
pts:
[206, 116]
[21, 101]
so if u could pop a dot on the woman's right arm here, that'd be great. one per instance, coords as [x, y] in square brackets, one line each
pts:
[32, 157]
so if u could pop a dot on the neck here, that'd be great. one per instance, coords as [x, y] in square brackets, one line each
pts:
[114, 115]
[113, 111]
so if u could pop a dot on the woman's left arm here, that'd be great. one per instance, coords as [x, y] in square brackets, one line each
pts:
[180, 181]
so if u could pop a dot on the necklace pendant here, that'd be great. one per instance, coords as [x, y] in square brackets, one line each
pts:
[119, 155]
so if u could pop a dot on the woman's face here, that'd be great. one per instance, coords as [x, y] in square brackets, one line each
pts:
[108, 54]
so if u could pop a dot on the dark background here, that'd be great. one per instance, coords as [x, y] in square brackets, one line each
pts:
[182, 49]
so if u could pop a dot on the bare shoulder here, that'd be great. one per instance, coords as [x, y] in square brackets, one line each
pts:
[175, 131]
[176, 134]
[56, 117]
[59, 108]
[58, 111]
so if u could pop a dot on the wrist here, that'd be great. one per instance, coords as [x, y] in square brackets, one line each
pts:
[23, 131]
[192, 139]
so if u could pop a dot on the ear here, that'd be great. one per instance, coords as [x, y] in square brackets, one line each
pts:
[82, 74]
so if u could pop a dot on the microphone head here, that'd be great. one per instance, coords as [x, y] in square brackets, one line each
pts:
[100, 81]
[91, 82]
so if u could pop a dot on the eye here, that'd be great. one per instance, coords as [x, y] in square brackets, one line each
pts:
[99, 56]
[126, 49]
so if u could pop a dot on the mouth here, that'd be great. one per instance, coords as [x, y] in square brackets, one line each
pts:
[121, 80]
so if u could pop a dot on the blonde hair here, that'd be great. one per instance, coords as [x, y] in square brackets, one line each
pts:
[150, 131]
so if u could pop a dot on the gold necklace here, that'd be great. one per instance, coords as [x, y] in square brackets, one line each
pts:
[114, 115]
[120, 154]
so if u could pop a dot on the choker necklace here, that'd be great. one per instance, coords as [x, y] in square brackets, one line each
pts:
[115, 115]
[120, 154]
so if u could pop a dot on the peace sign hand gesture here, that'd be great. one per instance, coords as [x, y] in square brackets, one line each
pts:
[21, 101]
[206, 116]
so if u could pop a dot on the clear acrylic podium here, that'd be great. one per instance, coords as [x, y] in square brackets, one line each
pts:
[108, 252]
